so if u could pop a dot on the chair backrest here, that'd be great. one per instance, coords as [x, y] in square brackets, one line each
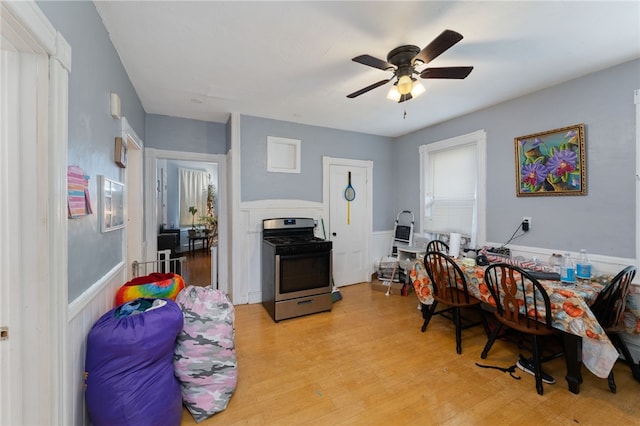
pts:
[445, 273]
[609, 305]
[511, 288]
[437, 245]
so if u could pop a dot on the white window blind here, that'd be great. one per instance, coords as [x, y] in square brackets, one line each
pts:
[193, 192]
[450, 172]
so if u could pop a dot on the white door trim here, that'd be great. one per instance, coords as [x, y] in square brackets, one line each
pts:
[151, 157]
[636, 97]
[134, 183]
[31, 32]
[327, 162]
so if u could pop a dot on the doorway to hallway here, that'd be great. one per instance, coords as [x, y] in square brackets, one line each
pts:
[162, 192]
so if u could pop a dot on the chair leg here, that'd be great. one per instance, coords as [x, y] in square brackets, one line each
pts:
[491, 341]
[456, 317]
[427, 313]
[619, 342]
[538, 365]
[485, 323]
[612, 382]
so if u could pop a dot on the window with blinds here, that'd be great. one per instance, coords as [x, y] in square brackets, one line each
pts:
[452, 173]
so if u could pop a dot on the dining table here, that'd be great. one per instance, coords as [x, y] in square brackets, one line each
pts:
[585, 340]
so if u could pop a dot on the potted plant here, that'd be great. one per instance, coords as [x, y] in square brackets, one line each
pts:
[193, 210]
[210, 224]
[211, 193]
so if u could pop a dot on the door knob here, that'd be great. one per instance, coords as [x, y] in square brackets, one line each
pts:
[334, 234]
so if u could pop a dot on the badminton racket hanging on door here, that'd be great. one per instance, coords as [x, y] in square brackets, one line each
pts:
[349, 195]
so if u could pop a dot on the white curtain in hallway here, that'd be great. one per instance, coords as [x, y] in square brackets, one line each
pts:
[193, 192]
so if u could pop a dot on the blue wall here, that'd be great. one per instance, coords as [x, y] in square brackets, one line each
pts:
[603, 221]
[96, 71]
[183, 134]
[316, 142]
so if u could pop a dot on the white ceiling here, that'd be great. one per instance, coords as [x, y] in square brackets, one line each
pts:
[291, 61]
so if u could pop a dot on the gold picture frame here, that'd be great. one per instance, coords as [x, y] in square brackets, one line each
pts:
[551, 163]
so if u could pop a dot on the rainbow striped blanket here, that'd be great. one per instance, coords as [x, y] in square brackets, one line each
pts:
[152, 286]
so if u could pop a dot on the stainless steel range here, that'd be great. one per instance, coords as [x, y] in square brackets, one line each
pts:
[296, 268]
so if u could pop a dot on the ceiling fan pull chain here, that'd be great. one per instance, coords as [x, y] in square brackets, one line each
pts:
[404, 116]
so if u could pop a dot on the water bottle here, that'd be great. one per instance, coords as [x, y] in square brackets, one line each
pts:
[583, 266]
[567, 271]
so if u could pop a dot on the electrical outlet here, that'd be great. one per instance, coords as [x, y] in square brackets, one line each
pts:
[526, 223]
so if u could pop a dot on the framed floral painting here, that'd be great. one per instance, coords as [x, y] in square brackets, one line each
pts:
[551, 163]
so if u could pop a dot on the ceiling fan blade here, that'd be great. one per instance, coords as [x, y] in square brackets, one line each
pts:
[373, 62]
[366, 89]
[440, 44]
[447, 72]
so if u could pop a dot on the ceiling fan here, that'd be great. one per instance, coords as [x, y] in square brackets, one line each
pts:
[403, 60]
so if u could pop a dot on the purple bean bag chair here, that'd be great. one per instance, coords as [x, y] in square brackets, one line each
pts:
[129, 373]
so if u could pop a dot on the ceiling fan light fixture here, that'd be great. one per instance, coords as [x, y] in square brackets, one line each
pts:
[417, 89]
[405, 85]
[393, 94]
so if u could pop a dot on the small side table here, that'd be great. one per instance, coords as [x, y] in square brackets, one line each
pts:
[196, 237]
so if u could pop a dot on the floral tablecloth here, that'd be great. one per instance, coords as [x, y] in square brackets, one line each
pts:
[632, 306]
[632, 316]
[569, 305]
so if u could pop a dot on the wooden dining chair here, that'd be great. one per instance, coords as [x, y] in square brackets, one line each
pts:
[508, 284]
[609, 311]
[438, 245]
[449, 288]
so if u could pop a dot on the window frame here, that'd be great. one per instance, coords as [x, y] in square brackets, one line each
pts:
[479, 139]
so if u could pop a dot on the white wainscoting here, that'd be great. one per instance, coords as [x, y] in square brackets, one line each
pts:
[381, 242]
[82, 314]
[253, 212]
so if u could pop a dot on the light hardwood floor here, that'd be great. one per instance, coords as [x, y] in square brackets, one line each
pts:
[367, 363]
[196, 270]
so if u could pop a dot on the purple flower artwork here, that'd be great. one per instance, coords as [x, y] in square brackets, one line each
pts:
[551, 163]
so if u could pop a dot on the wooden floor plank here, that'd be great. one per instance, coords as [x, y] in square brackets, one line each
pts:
[367, 363]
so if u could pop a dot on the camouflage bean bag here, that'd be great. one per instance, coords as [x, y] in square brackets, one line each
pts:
[205, 357]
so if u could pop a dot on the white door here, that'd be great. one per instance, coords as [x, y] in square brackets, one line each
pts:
[10, 291]
[24, 260]
[350, 221]
[34, 65]
[135, 210]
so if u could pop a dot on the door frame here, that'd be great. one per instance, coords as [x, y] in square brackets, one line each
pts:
[134, 184]
[367, 221]
[44, 384]
[636, 99]
[151, 157]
